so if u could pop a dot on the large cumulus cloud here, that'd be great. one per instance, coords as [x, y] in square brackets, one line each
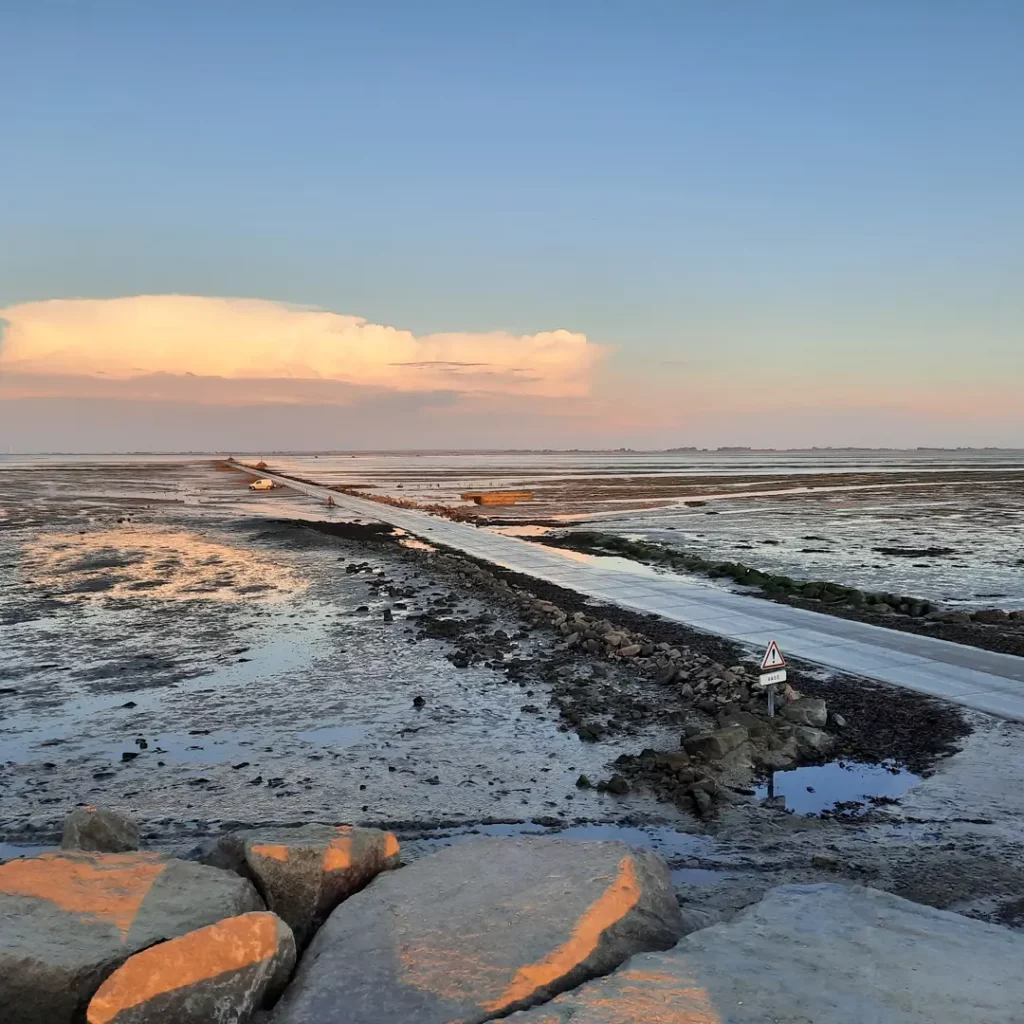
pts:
[70, 343]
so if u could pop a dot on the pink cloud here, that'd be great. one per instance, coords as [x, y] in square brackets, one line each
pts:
[139, 337]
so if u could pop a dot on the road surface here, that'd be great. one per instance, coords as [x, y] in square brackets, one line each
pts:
[978, 679]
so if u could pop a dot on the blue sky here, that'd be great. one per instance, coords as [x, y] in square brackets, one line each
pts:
[759, 196]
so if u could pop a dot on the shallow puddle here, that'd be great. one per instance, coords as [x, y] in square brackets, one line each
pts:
[666, 842]
[11, 851]
[335, 735]
[819, 788]
[616, 563]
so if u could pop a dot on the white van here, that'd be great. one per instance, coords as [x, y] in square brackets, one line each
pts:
[263, 484]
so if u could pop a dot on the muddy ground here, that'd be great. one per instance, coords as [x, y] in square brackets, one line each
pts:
[198, 666]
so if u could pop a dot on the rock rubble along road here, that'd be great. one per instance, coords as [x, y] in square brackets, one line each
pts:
[983, 680]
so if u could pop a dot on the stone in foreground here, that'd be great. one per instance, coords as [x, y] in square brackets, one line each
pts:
[481, 929]
[304, 873]
[831, 954]
[67, 920]
[99, 830]
[220, 974]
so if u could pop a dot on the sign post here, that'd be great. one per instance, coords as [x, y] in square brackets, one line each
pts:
[773, 670]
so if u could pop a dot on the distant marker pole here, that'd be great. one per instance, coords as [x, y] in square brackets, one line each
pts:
[773, 670]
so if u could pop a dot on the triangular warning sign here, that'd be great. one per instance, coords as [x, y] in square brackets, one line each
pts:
[772, 657]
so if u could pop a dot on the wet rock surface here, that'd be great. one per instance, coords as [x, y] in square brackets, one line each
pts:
[483, 928]
[304, 873]
[67, 920]
[220, 974]
[831, 954]
[92, 828]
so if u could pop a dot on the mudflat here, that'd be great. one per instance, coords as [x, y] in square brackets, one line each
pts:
[204, 659]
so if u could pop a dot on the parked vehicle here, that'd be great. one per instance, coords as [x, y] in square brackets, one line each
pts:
[263, 484]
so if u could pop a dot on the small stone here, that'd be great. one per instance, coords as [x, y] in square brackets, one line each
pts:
[630, 651]
[702, 802]
[806, 711]
[990, 616]
[583, 782]
[718, 744]
[673, 761]
[418, 702]
[825, 862]
[812, 742]
[616, 784]
[92, 828]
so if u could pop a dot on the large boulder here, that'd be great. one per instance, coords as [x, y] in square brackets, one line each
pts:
[92, 828]
[304, 873]
[480, 929]
[831, 954]
[67, 920]
[221, 973]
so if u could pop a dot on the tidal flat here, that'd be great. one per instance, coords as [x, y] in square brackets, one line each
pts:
[200, 658]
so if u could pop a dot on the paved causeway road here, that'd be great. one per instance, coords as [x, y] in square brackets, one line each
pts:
[969, 676]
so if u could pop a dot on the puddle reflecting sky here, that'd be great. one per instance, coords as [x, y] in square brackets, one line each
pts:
[818, 788]
[150, 562]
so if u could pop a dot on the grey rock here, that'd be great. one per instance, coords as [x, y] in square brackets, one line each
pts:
[304, 873]
[957, 618]
[812, 742]
[806, 711]
[714, 745]
[67, 920]
[990, 616]
[827, 954]
[221, 973]
[480, 929]
[226, 852]
[103, 831]
[696, 918]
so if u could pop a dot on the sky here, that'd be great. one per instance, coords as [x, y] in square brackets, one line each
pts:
[547, 223]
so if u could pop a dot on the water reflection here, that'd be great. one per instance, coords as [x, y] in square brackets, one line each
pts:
[856, 787]
[150, 562]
